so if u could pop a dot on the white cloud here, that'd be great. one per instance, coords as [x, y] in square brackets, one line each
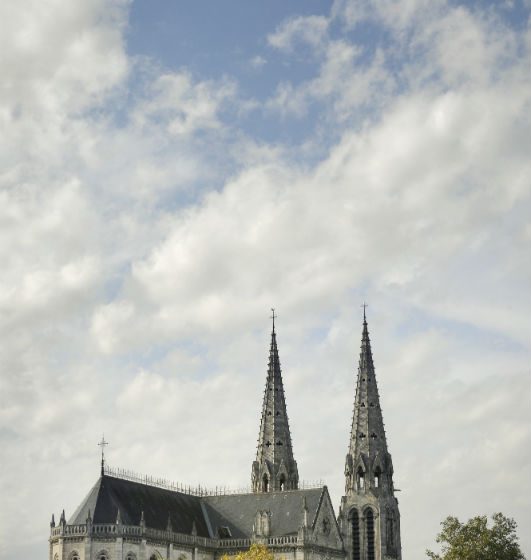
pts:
[258, 61]
[309, 30]
[182, 105]
[141, 257]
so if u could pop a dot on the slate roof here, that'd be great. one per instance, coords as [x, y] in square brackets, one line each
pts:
[235, 511]
[238, 511]
[110, 494]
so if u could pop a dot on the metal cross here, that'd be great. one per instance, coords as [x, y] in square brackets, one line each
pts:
[273, 317]
[102, 444]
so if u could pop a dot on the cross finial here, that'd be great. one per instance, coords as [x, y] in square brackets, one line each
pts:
[102, 444]
[273, 317]
[364, 305]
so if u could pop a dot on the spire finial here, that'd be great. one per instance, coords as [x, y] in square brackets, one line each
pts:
[102, 444]
[273, 316]
[364, 305]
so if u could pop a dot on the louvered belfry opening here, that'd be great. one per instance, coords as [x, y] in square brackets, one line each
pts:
[369, 523]
[355, 526]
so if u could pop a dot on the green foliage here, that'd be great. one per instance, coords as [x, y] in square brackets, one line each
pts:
[474, 540]
[256, 552]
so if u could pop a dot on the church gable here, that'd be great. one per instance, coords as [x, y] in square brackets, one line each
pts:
[325, 528]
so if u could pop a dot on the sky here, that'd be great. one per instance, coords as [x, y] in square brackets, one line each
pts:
[171, 170]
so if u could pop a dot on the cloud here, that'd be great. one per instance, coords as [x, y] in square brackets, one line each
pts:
[258, 61]
[184, 106]
[146, 230]
[309, 30]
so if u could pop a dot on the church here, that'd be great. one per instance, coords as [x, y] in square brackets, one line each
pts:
[124, 517]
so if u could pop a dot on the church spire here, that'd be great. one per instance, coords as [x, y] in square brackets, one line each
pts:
[369, 518]
[274, 467]
[367, 436]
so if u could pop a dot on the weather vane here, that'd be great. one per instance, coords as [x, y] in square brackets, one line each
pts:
[102, 444]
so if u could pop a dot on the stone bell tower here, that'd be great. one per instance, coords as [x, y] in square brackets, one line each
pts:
[274, 468]
[368, 517]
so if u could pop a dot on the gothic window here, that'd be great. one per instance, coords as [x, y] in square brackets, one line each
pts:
[326, 526]
[369, 524]
[377, 477]
[373, 435]
[74, 555]
[269, 413]
[265, 483]
[102, 555]
[278, 413]
[362, 435]
[361, 478]
[282, 482]
[130, 556]
[363, 405]
[355, 526]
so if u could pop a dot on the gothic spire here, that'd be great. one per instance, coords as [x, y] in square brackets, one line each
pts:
[275, 467]
[369, 491]
[368, 444]
[367, 436]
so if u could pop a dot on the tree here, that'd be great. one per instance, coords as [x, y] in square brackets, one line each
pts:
[474, 540]
[256, 552]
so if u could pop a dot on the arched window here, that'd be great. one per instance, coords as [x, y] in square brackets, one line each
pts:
[130, 556]
[355, 527]
[265, 483]
[74, 555]
[282, 482]
[369, 524]
[360, 478]
[377, 477]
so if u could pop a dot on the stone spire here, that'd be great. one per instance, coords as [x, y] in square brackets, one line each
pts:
[367, 434]
[369, 518]
[274, 468]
